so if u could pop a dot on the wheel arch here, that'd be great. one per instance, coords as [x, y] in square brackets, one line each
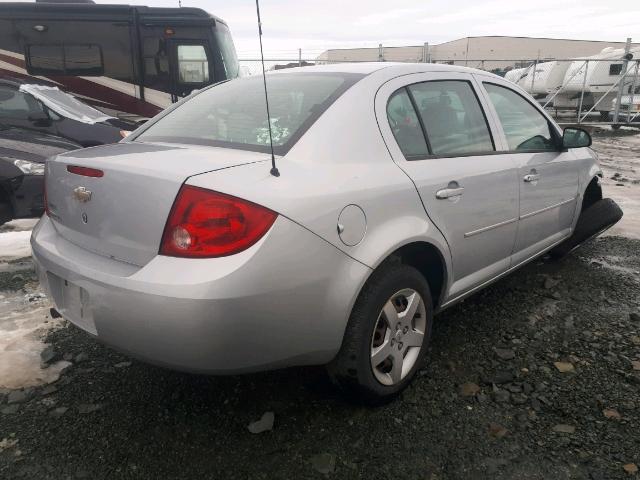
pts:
[429, 260]
[592, 193]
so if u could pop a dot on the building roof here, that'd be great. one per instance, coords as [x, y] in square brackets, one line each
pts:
[434, 46]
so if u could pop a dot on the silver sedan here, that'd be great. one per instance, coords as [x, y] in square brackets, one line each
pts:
[403, 188]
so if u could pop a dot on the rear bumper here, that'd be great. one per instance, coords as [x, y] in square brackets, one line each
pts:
[283, 302]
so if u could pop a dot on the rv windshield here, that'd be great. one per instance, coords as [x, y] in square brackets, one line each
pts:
[227, 50]
[233, 114]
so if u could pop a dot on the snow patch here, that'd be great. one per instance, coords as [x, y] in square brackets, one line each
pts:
[20, 224]
[22, 328]
[15, 245]
[620, 162]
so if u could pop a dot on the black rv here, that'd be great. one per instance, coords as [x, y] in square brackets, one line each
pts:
[124, 60]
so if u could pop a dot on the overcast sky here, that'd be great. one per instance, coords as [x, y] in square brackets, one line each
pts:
[317, 25]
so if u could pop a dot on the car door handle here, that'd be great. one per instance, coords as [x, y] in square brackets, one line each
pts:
[449, 193]
[532, 177]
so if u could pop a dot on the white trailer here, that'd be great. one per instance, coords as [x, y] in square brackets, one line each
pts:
[541, 80]
[516, 75]
[544, 78]
[597, 76]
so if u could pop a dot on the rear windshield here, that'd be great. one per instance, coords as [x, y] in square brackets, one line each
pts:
[234, 115]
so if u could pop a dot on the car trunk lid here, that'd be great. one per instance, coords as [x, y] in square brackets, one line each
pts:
[121, 212]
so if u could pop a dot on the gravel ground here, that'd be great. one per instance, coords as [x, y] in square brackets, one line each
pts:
[535, 377]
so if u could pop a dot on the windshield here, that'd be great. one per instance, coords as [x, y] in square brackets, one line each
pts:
[64, 104]
[227, 50]
[233, 114]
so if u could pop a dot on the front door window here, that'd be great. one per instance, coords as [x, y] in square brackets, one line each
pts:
[526, 129]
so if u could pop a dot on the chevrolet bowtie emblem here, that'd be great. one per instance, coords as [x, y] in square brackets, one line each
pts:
[82, 194]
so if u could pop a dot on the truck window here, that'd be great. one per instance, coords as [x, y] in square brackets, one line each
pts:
[156, 64]
[227, 51]
[65, 60]
[193, 64]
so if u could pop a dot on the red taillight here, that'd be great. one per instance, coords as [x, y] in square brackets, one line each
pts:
[85, 171]
[204, 224]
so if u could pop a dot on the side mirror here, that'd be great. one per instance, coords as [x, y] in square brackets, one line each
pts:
[575, 138]
[39, 119]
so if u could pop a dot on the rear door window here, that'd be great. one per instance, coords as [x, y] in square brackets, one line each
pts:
[406, 126]
[525, 127]
[452, 117]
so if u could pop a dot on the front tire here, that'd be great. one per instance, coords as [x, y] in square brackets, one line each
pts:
[593, 220]
[386, 337]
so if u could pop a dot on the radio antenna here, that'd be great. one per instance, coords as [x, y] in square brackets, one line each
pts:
[274, 169]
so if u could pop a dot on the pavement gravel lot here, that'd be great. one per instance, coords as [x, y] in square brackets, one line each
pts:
[536, 377]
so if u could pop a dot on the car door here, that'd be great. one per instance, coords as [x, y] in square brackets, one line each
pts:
[437, 131]
[548, 176]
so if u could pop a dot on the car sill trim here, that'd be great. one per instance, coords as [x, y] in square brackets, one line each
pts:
[545, 209]
[457, 298]
[490, 227]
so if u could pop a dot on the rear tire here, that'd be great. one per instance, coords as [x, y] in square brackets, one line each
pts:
[6, 212]
[379, 356]
[593, 220]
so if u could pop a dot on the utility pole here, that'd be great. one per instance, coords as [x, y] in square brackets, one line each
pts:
[380, 53]
[425, 53]
[633, 91]
[466, 53]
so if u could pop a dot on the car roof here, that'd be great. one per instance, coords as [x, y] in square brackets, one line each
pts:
[390, 69]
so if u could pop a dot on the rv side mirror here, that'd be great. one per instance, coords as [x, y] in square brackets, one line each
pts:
[39, 119]
[575, 138]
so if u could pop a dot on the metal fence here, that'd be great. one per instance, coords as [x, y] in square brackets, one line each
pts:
[575, 90]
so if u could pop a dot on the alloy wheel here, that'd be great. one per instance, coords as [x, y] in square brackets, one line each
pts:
[398, 336]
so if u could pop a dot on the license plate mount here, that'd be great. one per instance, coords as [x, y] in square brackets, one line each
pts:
[72, 302]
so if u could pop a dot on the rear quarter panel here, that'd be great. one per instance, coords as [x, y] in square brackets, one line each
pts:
[341, 160]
